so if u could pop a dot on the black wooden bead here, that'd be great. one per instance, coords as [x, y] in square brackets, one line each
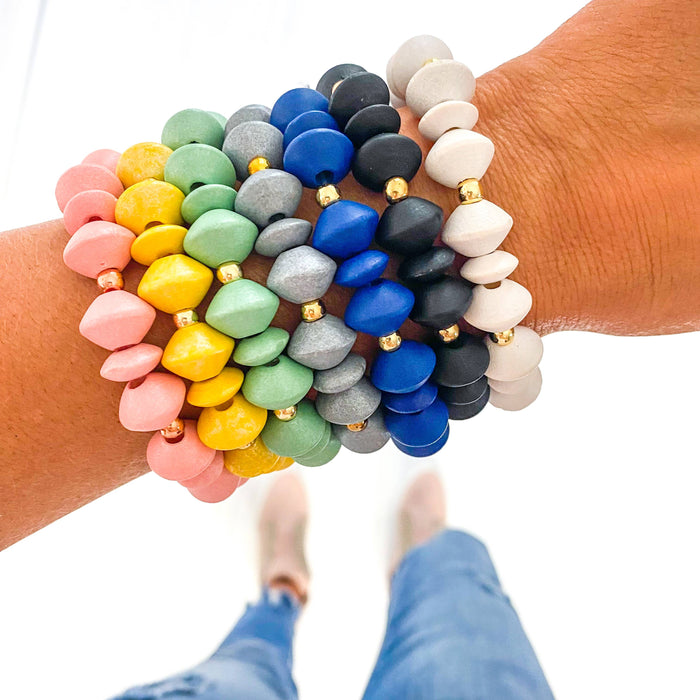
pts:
[410, 226]
[370, 121]
[464, 394]
[441, 303]
[427, 266]
[335, 74]
[385, 156]
[460, 362]
[459, 411]
[356, 92]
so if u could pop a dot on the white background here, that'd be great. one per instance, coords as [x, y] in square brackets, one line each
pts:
[587, 500]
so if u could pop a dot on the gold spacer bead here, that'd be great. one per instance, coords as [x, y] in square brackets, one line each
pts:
[312, 311]
[257, 164]
[503, 337]
[430, 60]
[395, 189]
[448, 335]
[357, 427]
[249, 445]
[229, 272]
[175, 431]
[327, 195]
[335, 85]
[110, 279]
[286, 414]
[186, 317]
[390, 342]
[470, 191]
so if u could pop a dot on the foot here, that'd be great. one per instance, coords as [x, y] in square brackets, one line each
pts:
[282, 532]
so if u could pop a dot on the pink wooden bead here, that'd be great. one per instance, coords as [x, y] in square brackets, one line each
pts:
[132, 363]
[98, 245]
[208, 476]
[218, 491]
[153, 402]
[105, 157]
[117, 319]
[86, 177]
[179, 460]
[90, 205]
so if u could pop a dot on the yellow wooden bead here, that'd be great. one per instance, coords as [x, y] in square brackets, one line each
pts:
[197, 352]
[141, 161]
[231, 425]
[149, 203]
[254, 460]
[217, 390]
[157, 242]
[174, 283]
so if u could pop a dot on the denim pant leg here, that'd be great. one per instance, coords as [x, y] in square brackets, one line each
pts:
[254, 662]
[452, 633]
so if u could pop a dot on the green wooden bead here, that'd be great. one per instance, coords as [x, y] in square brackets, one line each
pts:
[193, 126]
[261, 349]
[319, 457]
[242, 308]
[220, 118]
[197, 164]
[278, 384]
[220, 236]
[296, 436]
[206, 198]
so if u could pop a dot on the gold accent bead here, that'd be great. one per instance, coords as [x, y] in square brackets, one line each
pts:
[395, 189]
[175, 431]
[335, 85]
[249, 445]
[390, 342]
[357, 427]
[503, 337]
[229, 272]
[430, 60]
[257, 164]
[327, 195]
[186, 317]
[286, 414]
[312, 311]
[110, 279]
[447, 335]
[470, 191]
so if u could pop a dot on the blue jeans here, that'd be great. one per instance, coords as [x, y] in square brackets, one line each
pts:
[451, 635]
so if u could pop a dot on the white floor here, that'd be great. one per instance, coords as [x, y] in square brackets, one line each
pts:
[587, 500]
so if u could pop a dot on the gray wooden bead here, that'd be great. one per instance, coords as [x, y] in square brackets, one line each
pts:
[301, 274]
[371, 439]
[282, 235]
[249, 113]
[353, 405]
[342, 376]
[321, 344]
[267, 196]
[253, 140]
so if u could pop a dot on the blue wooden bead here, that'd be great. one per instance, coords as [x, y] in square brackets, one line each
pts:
[426, 450]
[418, 429]
[295, 102]
[315, 119]
[362, 269]
[379, 308]
[345, 228]
[405, 369]
[413, 401]
[319, 157]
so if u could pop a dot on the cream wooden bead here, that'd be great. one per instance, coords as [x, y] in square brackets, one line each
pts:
[489, 268]
[521, 399]
[437, 82]
[476, 229]
[410, 58]
[500, 308]
[396, 102]
[457, 155]
[517, 386]
[517, 359]
[452, 114]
